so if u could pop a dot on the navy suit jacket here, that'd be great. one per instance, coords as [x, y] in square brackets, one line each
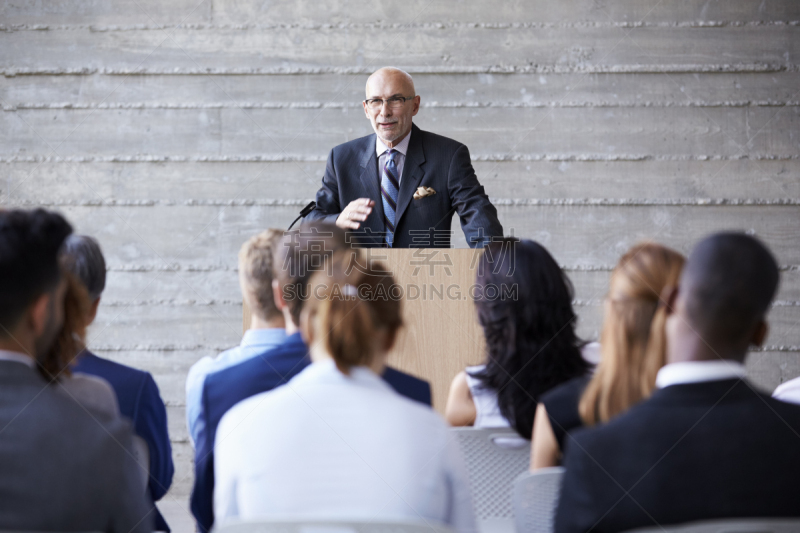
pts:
[140, 401]
[431, 161]
[225, 388]
[691, 452]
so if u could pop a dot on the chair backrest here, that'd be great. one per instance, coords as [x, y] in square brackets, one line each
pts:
[302, 525]
[536, 498]
[494, 458]
[730, 525]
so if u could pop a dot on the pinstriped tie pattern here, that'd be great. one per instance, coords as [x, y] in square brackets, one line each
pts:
[390, 188]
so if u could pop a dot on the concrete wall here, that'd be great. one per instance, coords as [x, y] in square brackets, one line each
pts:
[174, 130]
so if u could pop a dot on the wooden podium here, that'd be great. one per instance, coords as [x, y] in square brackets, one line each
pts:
[441, 335]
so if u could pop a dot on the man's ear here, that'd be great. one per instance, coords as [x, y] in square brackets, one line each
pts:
[760, 333]
[277, 295]
[38, 314]
[417, 100]
[669, 296]
[305, 327]
[366, 111]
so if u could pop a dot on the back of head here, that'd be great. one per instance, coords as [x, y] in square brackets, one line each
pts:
[301, 253]
[632, 340]
[82, 256]
[71, 338]
[29, 266]
[353, 311]
[726, 289]
[256, 265]
[524, 303]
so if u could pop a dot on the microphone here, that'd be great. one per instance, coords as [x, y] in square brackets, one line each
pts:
[304, 213]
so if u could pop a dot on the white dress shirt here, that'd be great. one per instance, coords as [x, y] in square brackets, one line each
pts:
[399, 159]
[789, 391]
[327, 445]
[699, 371]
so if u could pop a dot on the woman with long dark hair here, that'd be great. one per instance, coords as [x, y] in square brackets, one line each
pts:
[524, 303]
[633, 350]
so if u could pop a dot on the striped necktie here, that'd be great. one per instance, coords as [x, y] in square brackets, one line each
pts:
[390, 188]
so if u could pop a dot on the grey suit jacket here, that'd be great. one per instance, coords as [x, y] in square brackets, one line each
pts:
[431, 161]
[62, 468]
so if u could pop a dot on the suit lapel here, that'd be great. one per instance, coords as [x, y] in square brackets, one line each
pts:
[371, 180]
[412, 172]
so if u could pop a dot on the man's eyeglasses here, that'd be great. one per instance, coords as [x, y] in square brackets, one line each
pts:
[395, 102]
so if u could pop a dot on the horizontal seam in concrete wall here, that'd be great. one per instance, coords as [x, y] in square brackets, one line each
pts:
[505, 202]
[194, 347]
[176, 267]
[402, 26]
[287, 158]
[357, 105]
[173, 302]
[740, 68]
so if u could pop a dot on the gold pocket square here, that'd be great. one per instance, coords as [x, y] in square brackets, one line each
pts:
[422, 192]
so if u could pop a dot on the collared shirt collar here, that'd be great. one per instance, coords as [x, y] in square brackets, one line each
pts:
[699, 371]
[380, 147]
[260, 337]
[17, 358]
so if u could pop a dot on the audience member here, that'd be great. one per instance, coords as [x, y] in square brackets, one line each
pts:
[707, 444]
[524, 303]
[135, 390]
[633, 347]
[788, 391]
[63, 469]
[266, 322]
[299, 254]
[89, 391]
[337, 441]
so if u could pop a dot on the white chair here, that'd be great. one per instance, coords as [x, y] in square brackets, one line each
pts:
[730, 525]
[494, 458]
[301, 525]
[536, 498]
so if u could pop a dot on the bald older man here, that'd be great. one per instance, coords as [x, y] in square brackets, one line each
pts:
[400, 186]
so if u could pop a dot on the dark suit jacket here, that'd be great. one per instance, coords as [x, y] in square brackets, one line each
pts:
[61, 468]
[224, 389]
[432, 161]
[139, 401]
[691, 452]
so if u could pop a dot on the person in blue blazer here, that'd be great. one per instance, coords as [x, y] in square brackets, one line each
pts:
[137, 393]
[225, 388]
[400, 186]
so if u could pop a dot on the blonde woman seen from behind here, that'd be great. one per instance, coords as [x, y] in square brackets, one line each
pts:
[633, 348]
[337, 442]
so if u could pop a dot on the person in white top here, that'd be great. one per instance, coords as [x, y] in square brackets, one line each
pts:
[524, 303]
[337, 442]
[788, 391]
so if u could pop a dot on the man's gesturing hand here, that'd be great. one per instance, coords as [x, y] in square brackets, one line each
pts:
[356, 211]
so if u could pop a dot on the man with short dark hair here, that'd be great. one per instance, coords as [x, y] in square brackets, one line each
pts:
[137, 393]
[298, 256]
[62, 468]
[706, 445]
